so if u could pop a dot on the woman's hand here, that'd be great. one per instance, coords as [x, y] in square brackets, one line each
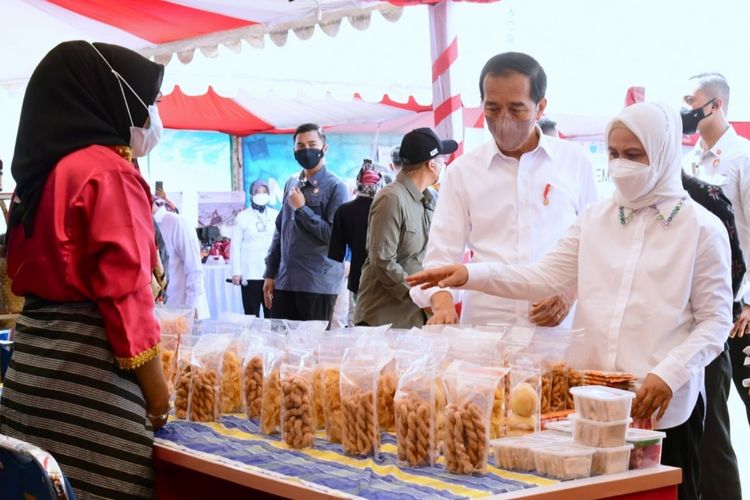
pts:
[654, 394]
[151, 379]
[443, 277]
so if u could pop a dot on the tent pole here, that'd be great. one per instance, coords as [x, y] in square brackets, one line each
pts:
[238, 181]
[446, 100]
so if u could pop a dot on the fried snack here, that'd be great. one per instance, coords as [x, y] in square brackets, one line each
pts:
[270, 413]
[465, 439]
[441, 399]
[575, 378]
[231, 383]
[204, 390]
[332, 404]
[182, 392]
[320, 419]
[360, 435]
[559, 390]
[386, 391]
[298, 412]
[169, 367]
[496, 418]
[524, 402]
[414, 443]
[253, 382]
[174, 326]
[546, 404]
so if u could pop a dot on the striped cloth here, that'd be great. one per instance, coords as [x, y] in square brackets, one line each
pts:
[64, 393]
[238, 440]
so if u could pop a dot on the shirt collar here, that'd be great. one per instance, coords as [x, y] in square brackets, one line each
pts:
[314, 179]
[410, 186]
[545, 144]
[723, 145]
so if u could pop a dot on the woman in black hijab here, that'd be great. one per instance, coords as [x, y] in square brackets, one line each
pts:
[85, 381]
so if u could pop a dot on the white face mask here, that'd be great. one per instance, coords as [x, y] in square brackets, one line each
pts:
[632, 179]
[142, 140]
[261, 199]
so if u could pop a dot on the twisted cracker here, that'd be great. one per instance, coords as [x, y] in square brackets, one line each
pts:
[271, 403]
[318, 397]
[204, 396]
[360, 436]
[253, 384]
[386, 392]
[298, 415]
[182, 392]
[332, 404]
[231, 383]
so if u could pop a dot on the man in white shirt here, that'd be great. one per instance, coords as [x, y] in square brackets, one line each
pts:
[510, 200]
[722, 158]
[185, 274]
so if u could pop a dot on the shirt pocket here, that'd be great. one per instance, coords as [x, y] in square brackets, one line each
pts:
[315, 203]
[412, 239]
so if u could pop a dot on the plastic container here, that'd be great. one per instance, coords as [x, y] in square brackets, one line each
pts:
[599, 434]
[564, 426]
[564, 462]
[603, 404]
[646, 447]
[517, 453]
[611, 460]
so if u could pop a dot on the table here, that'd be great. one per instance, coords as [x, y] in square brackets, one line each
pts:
[231, 459]
[222, 296]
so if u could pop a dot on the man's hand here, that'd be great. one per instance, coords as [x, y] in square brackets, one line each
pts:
[550, 311]
[236, 279]
[296, 199]
[444, 277]
[654, 394]
[742, 325]
[268, 288]
[443, 310]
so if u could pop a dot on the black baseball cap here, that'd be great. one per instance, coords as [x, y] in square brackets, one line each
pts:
[422, 144]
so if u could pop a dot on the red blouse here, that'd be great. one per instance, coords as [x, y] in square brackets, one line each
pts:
[93, 239]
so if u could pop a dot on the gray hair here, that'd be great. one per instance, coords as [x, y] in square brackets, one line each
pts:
[715, 85]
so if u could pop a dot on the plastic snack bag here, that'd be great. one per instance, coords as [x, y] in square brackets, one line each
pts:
[414, 402]
[467, 416]
[297, 412]
[204, 404]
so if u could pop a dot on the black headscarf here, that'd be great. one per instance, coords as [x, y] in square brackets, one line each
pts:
[73, 100]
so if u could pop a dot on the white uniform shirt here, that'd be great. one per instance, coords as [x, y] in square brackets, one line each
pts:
[251, 238]
[650, 299]
[185, 273]
[494, 205]
[727, 164]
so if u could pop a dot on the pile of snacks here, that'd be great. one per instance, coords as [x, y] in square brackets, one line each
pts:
[617, 380]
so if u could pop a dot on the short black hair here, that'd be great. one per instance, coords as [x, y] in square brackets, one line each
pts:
[547, 124]
[516, 62]
[310, 127]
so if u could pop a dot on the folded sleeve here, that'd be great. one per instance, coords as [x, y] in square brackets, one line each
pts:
[116, 214]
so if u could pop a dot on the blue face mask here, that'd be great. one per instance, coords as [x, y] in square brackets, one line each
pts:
[308, 158]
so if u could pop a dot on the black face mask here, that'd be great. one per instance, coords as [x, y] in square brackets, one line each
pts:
[308, 158]
[691, 117]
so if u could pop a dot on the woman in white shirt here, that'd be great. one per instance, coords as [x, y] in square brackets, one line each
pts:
[251, 238]
[652, 270]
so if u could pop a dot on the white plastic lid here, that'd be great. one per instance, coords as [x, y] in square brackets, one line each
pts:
[567, 450]
[596, 423]
[614, 449]
[601, 392]
[643, 435]
[565, 426]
